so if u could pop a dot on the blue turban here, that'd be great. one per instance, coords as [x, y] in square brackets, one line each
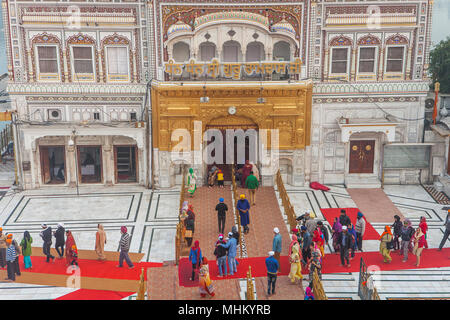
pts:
[360, 215]
[221, 199]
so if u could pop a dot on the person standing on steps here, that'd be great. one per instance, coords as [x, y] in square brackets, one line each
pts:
[244, 206]
[10, 260]
[100, 241]
[246, 169]
[446, 232]
[3, 247]
[306, 248]
[252, 185]
[344, 219]
[424, 226]
[17, 249]
[46, 235]
[385, 241]
[360, 227]
[272, 266]
[231, 246]
[276, 244]
[195, 257]
[221, 255]
[221, 209]
[70, 242]
[60, 241]
[406, 234]
[419, 244]
[220, 179]
[397, 226]
[124, 248]
[345, 243]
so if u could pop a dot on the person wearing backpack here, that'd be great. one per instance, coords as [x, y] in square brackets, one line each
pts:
[386, 244]
[406, 235]
[221, 255]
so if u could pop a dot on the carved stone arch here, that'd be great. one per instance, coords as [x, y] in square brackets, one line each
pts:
[397, 39]
[116, 39]
[369, 40]
[82, 39]
[340, 41]
[46, 38]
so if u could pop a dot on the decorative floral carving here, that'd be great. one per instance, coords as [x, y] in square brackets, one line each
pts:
[397, 39]
[369, 40]
[340, 41]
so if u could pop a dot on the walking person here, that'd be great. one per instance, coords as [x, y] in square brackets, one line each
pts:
[10, 260]
[325, 234]
[221, 255]
[419, 244]
[244, 206]
[272, 266]
[345, 243]
[385, 244]
[220, 178]
[231, 246]
[195, 257]
[255, 170]
[246, 169]
[73, 252]
[191, 182]
[100, 241]
[318, 239]
[46, 235]
[336, 231]
[124, 248]
[189, 224]
[352, 232]
[406, 235]
[60, 241]
[276, 244]
[3, 247]
[446, 232]
[344, 220]
[397, 226]
[252, 185]
[212, 178]
[294, 259]
[26, 249]
[70, 242]
[314, 265]
[221, 209]
[306, 248]
[360, 228]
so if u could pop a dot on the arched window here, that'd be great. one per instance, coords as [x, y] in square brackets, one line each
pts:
[232, 52]
[207, 51]
[255, 52]
[181, 52]
[282, 51]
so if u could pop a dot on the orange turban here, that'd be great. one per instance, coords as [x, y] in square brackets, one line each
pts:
[9, 236]
[9, 241]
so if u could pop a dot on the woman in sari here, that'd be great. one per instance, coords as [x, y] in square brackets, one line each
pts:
[100, 241]
[204, 282]
[294, 259]
[319, 240]
[419, 243]
[337, 229]
[70, 241]
[424, 227]
[245, 172]
[385, 238]
[191, 182]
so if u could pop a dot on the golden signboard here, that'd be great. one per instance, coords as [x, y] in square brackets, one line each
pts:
[232, 70]
[5, 116]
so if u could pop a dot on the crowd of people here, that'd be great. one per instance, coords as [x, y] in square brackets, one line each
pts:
[65, 246]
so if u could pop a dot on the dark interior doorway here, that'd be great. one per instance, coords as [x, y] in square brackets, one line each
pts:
[53, 164]
[125, 163]
[90, 164]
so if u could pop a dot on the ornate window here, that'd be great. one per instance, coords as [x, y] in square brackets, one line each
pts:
[207, 51]
[47, 59]
[45, 56]
[367, 59]
[118, 66]
[82, 58]
[117, 60]
[394, 59]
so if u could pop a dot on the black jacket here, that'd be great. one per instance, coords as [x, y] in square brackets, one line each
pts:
[397, 227]
[344, 220]
[348, 240]
[59, 235]
[407, 233]
[220, 251]
[190, 224]
[47, 235]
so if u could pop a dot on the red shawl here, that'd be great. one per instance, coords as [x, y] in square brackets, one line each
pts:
[69, 243]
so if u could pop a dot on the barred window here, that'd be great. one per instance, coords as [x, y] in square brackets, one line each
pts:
[394, 61]
[339, 60]
[82, 59]
[47, 57]
[367, 60]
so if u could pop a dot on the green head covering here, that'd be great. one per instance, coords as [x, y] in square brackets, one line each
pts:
[191, 171]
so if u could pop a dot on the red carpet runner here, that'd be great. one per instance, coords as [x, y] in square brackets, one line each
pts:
[86, 294]
[330, 214]
[90, 268]
[431, 258]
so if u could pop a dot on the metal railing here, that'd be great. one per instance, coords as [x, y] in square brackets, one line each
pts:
[179, 237]
[288, 208]
[366, 289]
[235, 199]
[6, 136]
[250, 294]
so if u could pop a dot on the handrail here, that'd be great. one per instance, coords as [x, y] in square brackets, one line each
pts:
[179, 233]
[288, 208]
[238, 217]
[250, 295]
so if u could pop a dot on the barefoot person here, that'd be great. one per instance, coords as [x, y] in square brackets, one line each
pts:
[419, 243]
[26, 249]
[294, 259]
[124, 248]
[272, 270]
[70, 242]
[100, 241]
[204, 281]
[244, 206]
[195, 257]
[10, 260]
[191, 182]
[252, 184]
[46, 235]
[385, 240]
[59, 240]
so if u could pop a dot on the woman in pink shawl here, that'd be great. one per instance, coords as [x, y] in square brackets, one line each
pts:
[70, 241]
[337, 229]
[246, 172]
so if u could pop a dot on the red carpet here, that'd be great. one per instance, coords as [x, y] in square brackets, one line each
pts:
[330, 214]
[90, 268]
[431, 258]
[86, 294]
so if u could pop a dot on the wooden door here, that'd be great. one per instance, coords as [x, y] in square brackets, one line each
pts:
[45, 165]
[362, 155]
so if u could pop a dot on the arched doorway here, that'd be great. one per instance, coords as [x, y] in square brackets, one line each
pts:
[231, 141]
